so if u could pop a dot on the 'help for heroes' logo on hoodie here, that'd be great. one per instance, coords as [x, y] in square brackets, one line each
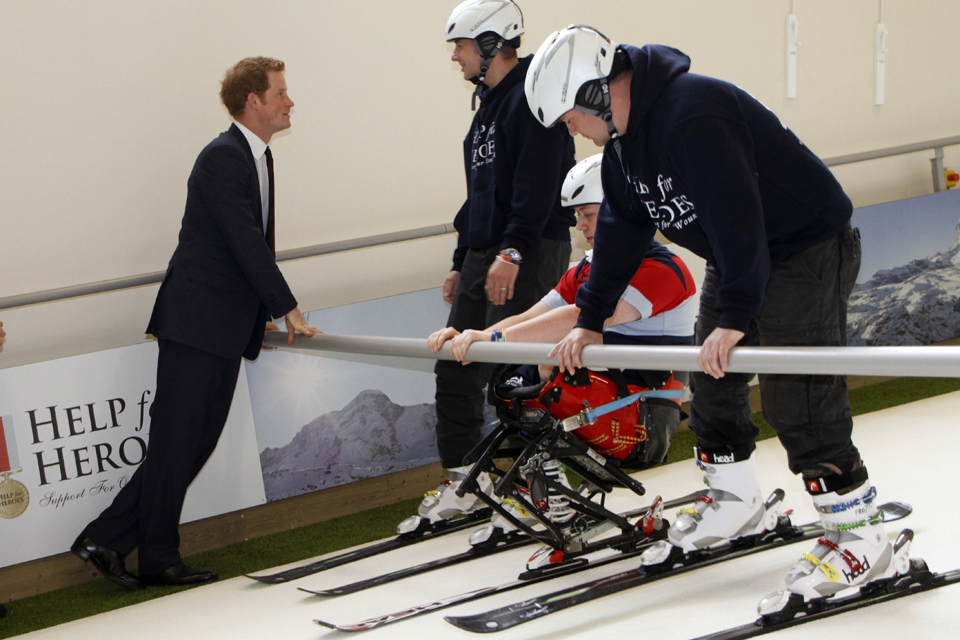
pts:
[484, 149]
[667, 208]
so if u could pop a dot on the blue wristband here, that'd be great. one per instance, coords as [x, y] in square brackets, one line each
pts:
[496, 336]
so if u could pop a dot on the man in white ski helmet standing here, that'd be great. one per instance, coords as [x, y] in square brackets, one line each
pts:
[514, 235]
[716, 172]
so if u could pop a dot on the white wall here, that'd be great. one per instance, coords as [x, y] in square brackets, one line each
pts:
[105, 105]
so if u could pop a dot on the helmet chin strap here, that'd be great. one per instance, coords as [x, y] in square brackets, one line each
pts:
[614, 138]
[607, 116]
[478, 80]
[481, 78]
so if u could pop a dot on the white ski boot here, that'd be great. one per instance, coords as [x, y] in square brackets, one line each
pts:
[732, 507]
[784, 605]
[500, 526]
[519, 509]
[443, 503]
[853, 551]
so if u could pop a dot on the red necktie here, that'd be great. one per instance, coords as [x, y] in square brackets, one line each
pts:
[270, 215]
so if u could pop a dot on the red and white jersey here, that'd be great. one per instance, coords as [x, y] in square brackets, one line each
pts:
[661, 290]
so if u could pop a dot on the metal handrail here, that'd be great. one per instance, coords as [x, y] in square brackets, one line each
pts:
[891, 151]
[933, 361]
[936, 162]
[129, 282]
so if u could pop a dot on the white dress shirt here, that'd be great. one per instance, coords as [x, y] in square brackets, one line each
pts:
[259, 149]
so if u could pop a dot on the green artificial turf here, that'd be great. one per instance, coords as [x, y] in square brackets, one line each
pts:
[88, 599]
[91, 598]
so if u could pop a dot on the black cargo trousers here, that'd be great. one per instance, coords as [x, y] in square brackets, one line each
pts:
[460, 398]
[805, 304]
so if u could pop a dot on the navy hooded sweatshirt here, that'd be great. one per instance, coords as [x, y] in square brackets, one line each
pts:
[515, 169]
[717, 173]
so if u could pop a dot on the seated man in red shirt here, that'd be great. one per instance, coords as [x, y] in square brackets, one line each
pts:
[655, 309]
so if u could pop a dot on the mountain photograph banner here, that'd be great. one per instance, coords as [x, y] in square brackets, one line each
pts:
[908, 291]
[326, 421]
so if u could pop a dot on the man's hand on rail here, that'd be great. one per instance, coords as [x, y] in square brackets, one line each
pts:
[437, 338]
[568, 350]
[714, 354]
[296, 323]
[450, 286]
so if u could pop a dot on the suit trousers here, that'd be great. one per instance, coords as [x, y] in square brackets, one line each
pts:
[459, 396]
[194, 393]
[805, 304]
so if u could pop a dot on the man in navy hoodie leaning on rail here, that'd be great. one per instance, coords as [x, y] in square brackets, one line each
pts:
[716, 172]
[514, 242]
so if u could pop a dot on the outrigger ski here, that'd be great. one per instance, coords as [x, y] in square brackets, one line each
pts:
[425, 531]
[503, 542]
[677, 563]
[918, 578]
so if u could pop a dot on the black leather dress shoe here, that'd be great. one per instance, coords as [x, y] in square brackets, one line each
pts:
[109, 563]
[178, 574]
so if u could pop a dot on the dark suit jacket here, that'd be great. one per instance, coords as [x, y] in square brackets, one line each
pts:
[222, 282]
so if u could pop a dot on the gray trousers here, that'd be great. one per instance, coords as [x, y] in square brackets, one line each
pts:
[459, 396]
[805, 304]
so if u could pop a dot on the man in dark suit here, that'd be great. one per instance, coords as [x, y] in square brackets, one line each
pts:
[220, 291]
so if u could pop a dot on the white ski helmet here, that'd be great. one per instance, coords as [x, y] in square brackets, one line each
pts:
[582, 184]
[571, 71]
[489, 24]
[474, 18]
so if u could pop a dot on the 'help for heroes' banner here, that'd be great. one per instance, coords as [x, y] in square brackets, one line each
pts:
[73, 431]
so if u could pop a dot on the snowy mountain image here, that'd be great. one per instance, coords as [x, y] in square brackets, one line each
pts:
[917, 303]
[369, 437]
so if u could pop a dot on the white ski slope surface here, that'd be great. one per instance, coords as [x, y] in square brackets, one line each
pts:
[907, 449]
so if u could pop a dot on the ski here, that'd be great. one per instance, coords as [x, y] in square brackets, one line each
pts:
[527, 578]
[475, 595]
[425, 531]
[508, 541]
[919, 578]
[679, 563]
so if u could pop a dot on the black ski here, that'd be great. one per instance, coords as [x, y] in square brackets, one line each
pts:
[562, 570]
[425, 531]
[509, 541]
[516, 614]
[916, 580]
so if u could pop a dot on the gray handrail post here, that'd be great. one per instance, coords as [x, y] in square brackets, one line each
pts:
[936, 165]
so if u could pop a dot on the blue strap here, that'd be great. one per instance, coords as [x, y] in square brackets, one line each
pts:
[673, 394]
